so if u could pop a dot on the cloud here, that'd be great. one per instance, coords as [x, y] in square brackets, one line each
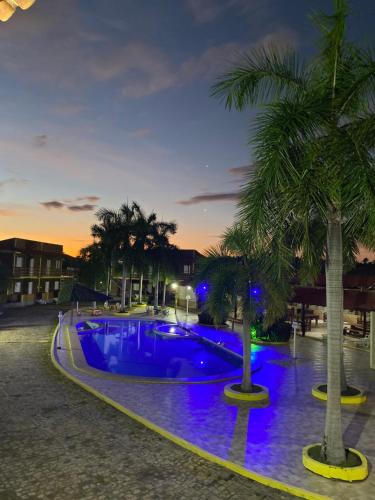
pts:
[206, 11]
[240, 171]
[12, 180]
[70, 205]
[88, 198]
[52, 204]
[143, 69]
[68, 110]
[215, 60]
[7, 213]
[209, 198]
[77, 58]
[40, 141]
[139, 133]
[81, 208]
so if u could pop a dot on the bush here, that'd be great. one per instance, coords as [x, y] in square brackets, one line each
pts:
[278, 332]
[205, 318]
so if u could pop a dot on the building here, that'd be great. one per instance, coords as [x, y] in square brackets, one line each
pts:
[32, 270]
[186, 263]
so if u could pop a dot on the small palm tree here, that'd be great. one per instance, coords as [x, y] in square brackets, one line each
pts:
[313, 148]
[234, 271]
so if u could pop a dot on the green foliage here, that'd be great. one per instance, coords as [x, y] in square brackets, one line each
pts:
[313, 146]
[91, 262]
[232, 267]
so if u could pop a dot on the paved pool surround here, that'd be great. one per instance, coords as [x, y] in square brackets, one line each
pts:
[264, 443]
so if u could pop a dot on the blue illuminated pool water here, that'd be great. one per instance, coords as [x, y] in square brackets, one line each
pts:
[136, 348]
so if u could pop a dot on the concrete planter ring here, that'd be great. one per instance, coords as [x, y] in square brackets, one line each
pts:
[258, 394]
[353, 396]
[356, 468]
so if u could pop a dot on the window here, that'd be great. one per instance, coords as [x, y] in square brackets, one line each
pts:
[186, 269]
[48, 263]
[19, 261]
[57, 285]
[17, 287]
[57, 264]
[30, 287]
[46, 286]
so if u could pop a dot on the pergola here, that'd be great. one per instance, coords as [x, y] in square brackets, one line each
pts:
[355, 299]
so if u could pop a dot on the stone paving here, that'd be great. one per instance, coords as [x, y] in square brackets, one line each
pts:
[269, 440]
[59, 442]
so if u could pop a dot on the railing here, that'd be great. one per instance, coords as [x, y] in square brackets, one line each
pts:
[37, 272]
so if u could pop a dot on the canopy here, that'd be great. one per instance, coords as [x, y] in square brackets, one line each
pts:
[76, 292]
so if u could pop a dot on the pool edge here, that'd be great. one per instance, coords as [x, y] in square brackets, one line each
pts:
[265, 480]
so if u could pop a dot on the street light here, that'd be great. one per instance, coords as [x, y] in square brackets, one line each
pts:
[174, 287]
[187, 304]
[8, 7]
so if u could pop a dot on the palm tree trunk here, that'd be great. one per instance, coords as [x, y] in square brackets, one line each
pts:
[140, 289]
[131, 287]
[344, 384]
[246, 373]
[333, 450]
[156, 298]
[108, 286]
[123, 290]
[164, 292]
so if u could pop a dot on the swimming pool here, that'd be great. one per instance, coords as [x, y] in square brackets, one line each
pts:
[154, 349]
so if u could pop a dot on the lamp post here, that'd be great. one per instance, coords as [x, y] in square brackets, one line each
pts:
[8, 7]
[187, 304]
[188, 288]
[174, 287]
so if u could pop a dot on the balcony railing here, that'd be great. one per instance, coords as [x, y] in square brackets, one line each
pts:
[37, 272]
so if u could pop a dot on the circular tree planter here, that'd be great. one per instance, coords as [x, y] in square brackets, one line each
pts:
[356, 468]
[259, 393]
[126, 313]
[352, 396]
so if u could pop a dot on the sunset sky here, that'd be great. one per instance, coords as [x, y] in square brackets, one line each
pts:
[106, 101]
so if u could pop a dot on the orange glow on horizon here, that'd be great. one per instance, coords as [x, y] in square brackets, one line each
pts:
[191, 241]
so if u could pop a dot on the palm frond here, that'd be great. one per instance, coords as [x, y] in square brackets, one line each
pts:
[261, 76]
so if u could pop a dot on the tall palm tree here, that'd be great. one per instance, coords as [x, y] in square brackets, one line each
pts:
[159, 250]
[126, 240]
[313, 144]
[106, 234]
[235, 270]
[143, 242]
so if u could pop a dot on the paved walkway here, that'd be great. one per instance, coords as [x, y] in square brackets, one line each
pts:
[59, 442]
[267, 441]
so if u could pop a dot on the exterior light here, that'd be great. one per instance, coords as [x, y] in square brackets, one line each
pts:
[23, 4]
[8, 7]
[188, 287]
[174, 286]
[6, 11]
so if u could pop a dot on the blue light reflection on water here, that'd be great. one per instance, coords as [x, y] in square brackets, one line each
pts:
[131, 347]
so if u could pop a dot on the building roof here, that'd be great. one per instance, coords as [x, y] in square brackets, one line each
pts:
[24, 245]
[354, 300]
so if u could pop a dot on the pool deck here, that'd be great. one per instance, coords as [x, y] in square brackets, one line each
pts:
[264, 442]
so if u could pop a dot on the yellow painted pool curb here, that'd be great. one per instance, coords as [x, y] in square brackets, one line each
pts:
[349, 474]
[345, 400]
[267, 481]
[246, 396]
